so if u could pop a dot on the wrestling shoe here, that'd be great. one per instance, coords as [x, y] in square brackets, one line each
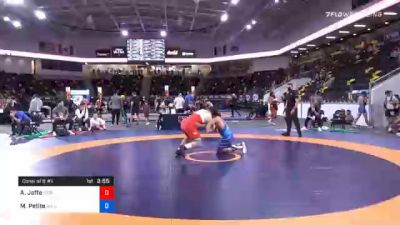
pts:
[244, 147]
[181, 150]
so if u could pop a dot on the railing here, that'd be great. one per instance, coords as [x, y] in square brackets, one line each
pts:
[385, 77]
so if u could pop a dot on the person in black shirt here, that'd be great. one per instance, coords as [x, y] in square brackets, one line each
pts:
[135, 107]
[71, 107]
[291, 105]
[233, 105]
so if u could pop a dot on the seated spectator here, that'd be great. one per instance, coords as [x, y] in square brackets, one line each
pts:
[82, 116]
[19, 121]
[97, 123]
[61, 119]
[349, 117]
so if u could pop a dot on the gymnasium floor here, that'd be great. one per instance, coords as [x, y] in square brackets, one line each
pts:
[323, 178]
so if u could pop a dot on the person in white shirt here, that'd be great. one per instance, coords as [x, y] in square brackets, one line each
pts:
[35, 105]
[97, 123]
[179, 103]
[82, 116]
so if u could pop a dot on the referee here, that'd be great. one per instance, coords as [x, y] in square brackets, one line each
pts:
[292, 101]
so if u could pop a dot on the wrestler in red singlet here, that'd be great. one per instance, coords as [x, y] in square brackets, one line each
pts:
[190, 127]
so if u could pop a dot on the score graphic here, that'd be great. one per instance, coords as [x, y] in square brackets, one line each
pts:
[107, 199]
[66, 194]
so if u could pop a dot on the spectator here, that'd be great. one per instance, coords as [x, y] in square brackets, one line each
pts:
[36, 105]
[179, 103]
[19, 120]
[233, 105]
[126, 110]
[82, 116]
[273, 107]
[135, 107]
[69, 103]
[255, 97]
[189, 99]
[349, 117]
[60, 119]
[390, 106]
[97, 123]
[115, 106]
[146, 111]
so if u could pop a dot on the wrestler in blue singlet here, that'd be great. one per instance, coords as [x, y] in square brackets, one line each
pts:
[226, 138]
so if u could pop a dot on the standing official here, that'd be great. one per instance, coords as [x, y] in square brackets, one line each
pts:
[292, 100]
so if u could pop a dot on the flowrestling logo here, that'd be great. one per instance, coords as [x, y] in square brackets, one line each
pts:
[342, 14]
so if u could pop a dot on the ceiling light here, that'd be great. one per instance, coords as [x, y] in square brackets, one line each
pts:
[124, 33]
[294, 52]
[276, 1]
[163, 33]
[235, 2]
[302, 49]
[354, 34]
[17, 24]
[329, 43]
[248, 27]
[253, 22]
[14, 2]
[344, 32]
[360, 25]
[224, 17]
[386, 22]
[330, 37]
[369, 29]
[341, 39]
[40, 14]
[311, 45]
[390, 13]
[6, 19]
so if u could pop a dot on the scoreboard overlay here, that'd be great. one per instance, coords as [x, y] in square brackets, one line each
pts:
[66, 194]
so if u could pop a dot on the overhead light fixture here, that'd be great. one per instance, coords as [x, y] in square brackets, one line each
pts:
[311, 45]
[224, 17]
[387, 22]
[369, 29]
[276, 1]
[360, 25]
[6, 19]
[294, 52]
[341, 39]
[344, 32]
[390, 13]
[124, 33]
[14, 2]
[248, 27]
[302, 49]
[354, 34]
[253, 22]
[41, 15]
[330, 37]
[17, 24]
[163, 33]
[235, 2]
